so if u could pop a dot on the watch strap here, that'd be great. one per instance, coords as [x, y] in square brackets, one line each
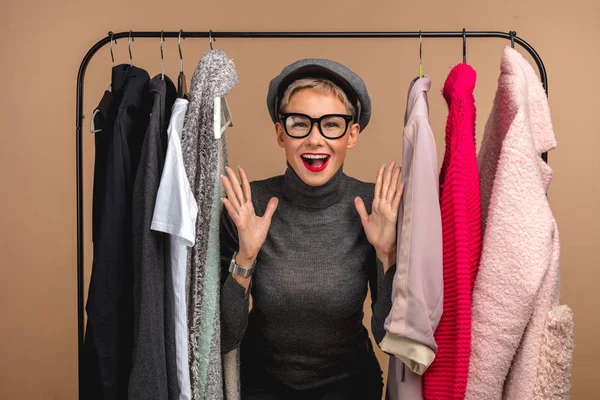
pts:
[236, 269]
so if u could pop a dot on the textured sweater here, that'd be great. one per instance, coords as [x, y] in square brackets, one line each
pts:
[447, 376]
[215, 76]
[310, 283]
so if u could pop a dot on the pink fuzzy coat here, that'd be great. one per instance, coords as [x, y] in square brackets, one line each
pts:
[521, 337]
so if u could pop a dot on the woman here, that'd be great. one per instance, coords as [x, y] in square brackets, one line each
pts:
[307, 260]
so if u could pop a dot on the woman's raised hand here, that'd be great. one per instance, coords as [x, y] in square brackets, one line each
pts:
[252, 229]
[380, 226]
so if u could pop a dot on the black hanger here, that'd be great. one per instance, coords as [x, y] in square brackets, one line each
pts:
[512, 38]
[182, 91]
[162, 58]
[129, 40]
[464, 34]
[112, 56]
[420, 55]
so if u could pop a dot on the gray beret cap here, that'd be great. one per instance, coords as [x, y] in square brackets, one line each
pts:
[347, 80]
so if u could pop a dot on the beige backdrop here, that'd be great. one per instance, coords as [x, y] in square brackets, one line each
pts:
[42, 45]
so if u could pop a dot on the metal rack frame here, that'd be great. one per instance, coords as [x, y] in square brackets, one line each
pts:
[79, 116]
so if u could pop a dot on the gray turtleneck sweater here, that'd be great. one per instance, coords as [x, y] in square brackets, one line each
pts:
[309, 286]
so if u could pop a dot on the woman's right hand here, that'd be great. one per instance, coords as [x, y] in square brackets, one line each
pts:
[252, 229]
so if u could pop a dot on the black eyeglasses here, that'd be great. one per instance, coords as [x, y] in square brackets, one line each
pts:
[331, 126]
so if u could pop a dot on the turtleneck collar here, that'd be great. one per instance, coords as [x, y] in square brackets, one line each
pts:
[299, 193]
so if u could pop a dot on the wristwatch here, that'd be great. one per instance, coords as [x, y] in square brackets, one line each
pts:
[239, 270]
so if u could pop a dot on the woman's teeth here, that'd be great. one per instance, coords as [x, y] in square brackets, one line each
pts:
[315, 161]
[315, 156]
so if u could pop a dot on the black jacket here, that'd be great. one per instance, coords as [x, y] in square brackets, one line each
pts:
[108, 345]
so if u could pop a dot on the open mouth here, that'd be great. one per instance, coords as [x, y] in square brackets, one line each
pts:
[315, 162]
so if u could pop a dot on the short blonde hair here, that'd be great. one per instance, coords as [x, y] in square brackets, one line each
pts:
[319, 84]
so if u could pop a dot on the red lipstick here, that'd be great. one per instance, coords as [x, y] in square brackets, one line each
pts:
[315, 162]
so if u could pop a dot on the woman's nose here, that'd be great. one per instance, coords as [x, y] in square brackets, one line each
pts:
[314, 136]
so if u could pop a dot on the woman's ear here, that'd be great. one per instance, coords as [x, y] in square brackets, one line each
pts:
[280, 134]
[353, 133]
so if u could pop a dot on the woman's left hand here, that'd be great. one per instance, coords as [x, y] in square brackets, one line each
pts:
[380, 226]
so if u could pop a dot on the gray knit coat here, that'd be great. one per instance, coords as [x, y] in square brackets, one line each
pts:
[204, 159]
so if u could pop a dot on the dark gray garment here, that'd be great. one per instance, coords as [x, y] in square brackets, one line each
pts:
[310, 283]
[154, 368]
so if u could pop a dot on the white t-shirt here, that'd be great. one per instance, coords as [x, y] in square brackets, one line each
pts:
[175, 213]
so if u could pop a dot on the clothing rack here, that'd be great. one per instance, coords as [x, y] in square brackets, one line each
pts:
[512, 36]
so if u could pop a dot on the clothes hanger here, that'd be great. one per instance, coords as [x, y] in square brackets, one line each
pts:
[129, 40]
[97, 109]
[211, 39]
[222, 118]
[512, 38]
[112, 56]
[464, 35]
[162, 59]
[420, 55]
[182, 91]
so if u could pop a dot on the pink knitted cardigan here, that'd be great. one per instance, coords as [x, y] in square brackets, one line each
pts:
[460, 202]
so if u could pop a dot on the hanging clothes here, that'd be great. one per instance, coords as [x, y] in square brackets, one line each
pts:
[553, 374]
[518, 286]
[461, 227]
[214, 77]
[104, 119]
[417, 298]
[231, 375]
[107, 347]
[175, 213]
[153, 369]
[230, 360]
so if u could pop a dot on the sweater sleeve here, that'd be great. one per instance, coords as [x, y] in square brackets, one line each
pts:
[380, 284]
[234, 297]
